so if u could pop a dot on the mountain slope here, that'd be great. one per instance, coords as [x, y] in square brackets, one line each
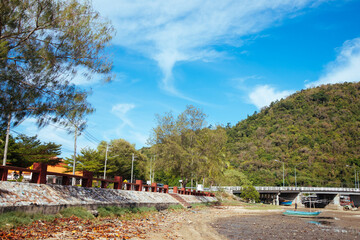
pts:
[317, 130]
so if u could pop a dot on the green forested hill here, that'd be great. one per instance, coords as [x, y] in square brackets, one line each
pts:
[317, 130]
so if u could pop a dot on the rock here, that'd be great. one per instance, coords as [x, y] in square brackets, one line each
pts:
[95, 213]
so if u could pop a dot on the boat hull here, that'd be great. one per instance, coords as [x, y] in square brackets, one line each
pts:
[300, 213]
[287, 203]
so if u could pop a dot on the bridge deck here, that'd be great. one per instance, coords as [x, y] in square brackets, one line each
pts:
[265, 189]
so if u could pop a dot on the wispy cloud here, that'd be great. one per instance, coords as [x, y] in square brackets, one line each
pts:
[132, 133]
[346, 67]
[263, 95]
[138, 137]
[173, 31]
[241, 83]
[121, 110]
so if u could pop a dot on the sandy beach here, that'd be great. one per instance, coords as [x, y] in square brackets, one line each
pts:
[217, 222]
[241, 223]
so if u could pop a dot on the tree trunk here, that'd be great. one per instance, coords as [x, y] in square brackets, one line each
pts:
[7, 140]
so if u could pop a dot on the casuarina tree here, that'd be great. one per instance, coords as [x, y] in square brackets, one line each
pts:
[43, 45]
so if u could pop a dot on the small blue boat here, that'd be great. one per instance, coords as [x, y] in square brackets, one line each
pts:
[286, 203]
[301, 213]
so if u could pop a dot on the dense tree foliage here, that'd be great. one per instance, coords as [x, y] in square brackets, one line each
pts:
[185, 149]
[42, 45]
[25, 150]
[119, 160]
[315, 130]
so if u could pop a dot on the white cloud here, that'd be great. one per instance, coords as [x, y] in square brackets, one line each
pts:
[240, 82]
[121, 110]
[346, 67]
[181, 30]
[138, 137]
[132, 134]
[263, 95]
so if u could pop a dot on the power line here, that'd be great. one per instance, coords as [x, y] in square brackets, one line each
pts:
[86, 135]
[16, 132]
[90, 138]
[62, 147]
[90, 135]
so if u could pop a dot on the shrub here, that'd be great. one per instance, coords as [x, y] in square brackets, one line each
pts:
[249, 194]
[14, 219]
[79, 212]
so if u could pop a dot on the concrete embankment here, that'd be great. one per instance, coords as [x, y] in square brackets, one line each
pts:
[49, 199]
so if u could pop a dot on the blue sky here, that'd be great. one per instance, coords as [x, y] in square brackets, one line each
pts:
[229, 58]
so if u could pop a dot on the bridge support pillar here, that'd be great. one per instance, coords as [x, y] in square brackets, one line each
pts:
[337, 200]
[277, 199]
[298, 200]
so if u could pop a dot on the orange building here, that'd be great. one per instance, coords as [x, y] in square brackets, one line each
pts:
[58, 168]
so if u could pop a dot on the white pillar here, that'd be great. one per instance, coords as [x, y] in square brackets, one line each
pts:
[337, 200]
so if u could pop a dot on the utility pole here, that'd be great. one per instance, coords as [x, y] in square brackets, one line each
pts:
[153, 170]
[150, 169]
[283, 171]
[295, 173]
[355, 176]
[283, 174]
[7, 140]
[106, 156]
[74, 162]
[132, 168]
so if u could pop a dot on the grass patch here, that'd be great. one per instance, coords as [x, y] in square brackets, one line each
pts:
[260, 206]
[124, 213]
[175, 207]
[10, 220]
[202, 205]
[143, 209]
[112, 211]
[79, 212]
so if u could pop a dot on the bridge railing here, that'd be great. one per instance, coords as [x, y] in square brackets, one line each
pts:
[300, 189]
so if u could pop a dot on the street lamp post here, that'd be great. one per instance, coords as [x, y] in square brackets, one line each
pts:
[106, 155]
[283, 171]
[132, 167]
[355, 176]
[295, 173]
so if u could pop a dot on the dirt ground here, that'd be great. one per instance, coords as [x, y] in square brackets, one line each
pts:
[219, 222]
[240, 223]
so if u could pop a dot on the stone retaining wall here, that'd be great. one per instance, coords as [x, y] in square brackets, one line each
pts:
[50, 199]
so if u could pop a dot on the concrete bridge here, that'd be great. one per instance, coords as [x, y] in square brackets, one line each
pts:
[333, 196]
